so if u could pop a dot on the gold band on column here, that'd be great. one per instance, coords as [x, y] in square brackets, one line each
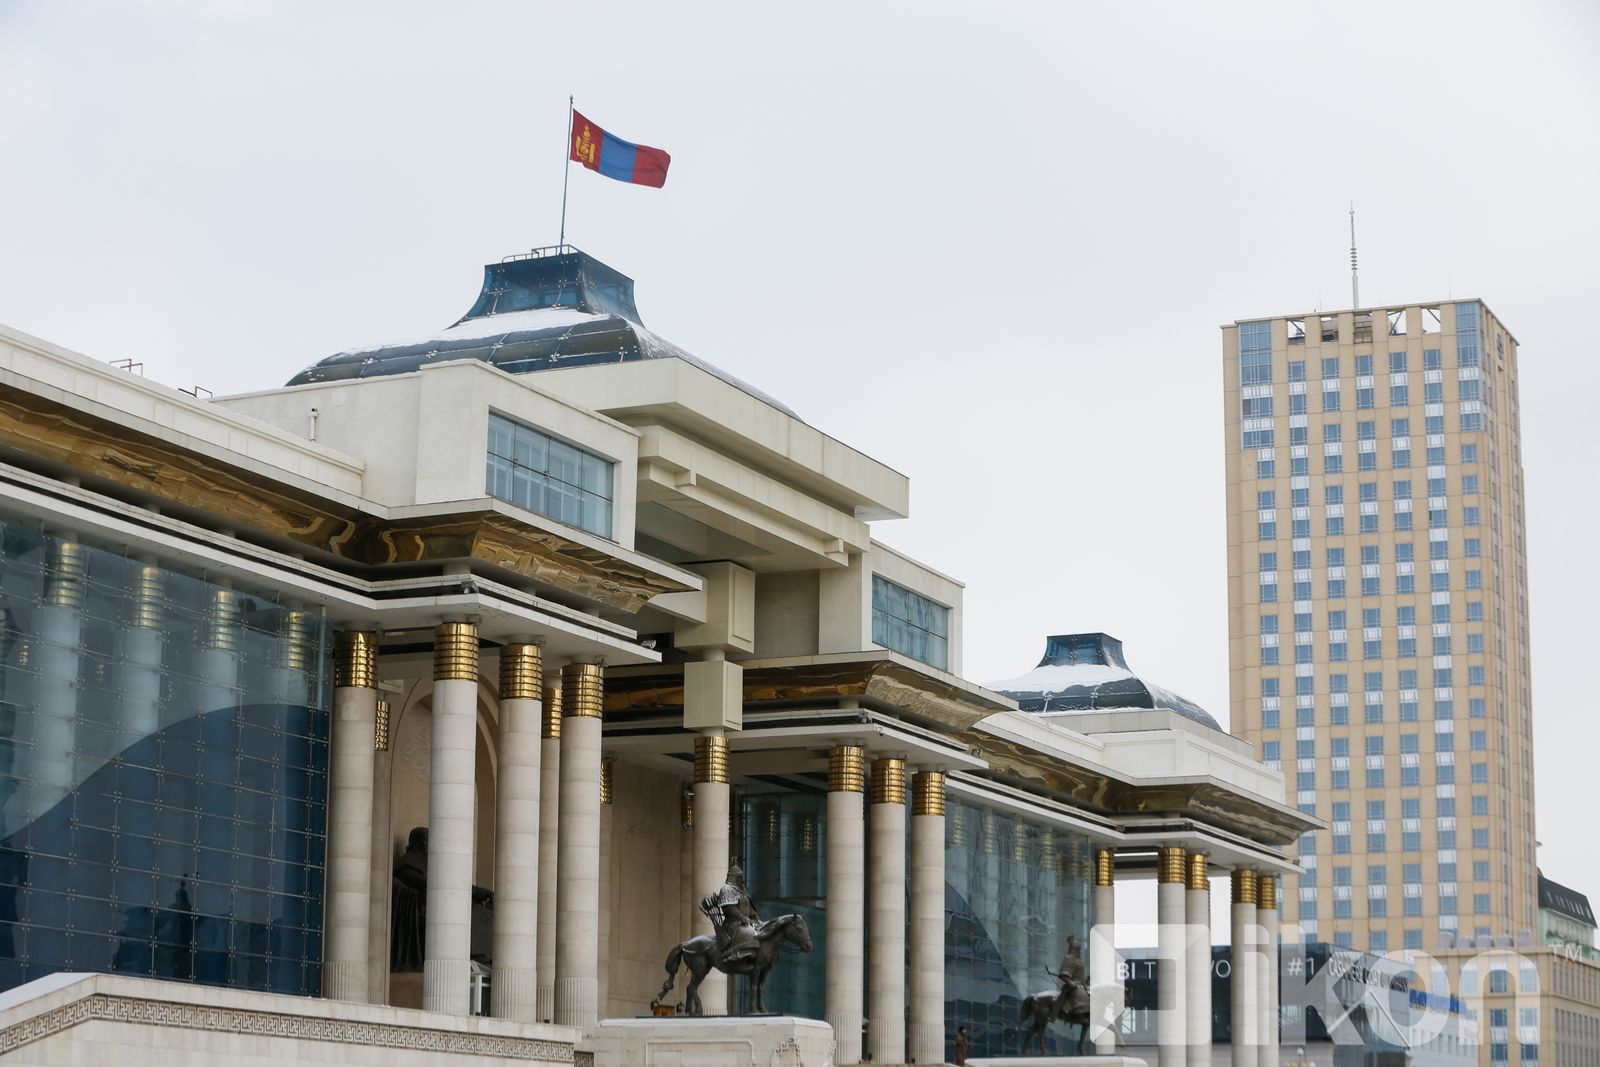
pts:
[957, 821]
[583, 690]
[148, 592]
[355, 659]
[927, 793]
[710, 758]
[521, 675]
[294, 651]
[64, 581]
[223, 613]
[455, 652]
[605, 780]
[1105, 866]
[551, 722]
[990, 833]
[1244, 886]
[1170, 862]
[889, 780]
[380, 728]
[847, 769]
[1199, 876]
[686, 809]
[1019, 842]
[1048, 860]
[1267, 892]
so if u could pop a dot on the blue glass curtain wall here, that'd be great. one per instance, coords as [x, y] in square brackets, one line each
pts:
[782, 848]
[163, 762]
[1015, 889]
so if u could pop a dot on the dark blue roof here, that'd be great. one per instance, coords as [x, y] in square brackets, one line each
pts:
[549, 309]
[1087, 672]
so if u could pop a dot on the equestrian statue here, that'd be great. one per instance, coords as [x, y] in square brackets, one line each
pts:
[740, 943]
[1070, 1003]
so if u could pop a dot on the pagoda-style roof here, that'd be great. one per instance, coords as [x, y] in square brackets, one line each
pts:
[553, 308]
[1087, 672]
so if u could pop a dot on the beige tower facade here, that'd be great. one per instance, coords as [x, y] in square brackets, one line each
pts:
[1378, 614]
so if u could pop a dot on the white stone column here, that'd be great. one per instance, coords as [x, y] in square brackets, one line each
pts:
[447, 946]
[687, 900]
[710, 846]
[1242, 982]
[578, 848]
[380, 896]
[1171, 966]
[847, 895]
[513, 991]
[346, 973]
[57, 659]
[549, 821]
[142, 645]
[1198, 913]
[926, 1038]
[886, 980]
[1267, 984]
[1105, 984]
[603, 941]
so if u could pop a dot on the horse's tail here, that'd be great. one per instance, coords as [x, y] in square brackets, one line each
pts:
[674, 961]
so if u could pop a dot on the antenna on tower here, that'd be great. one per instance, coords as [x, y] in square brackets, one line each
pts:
[1355, 281]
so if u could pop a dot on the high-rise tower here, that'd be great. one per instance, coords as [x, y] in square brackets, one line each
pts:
[1378, 613]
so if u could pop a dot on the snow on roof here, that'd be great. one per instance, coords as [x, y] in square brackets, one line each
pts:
[1054, 678]
[492, 326]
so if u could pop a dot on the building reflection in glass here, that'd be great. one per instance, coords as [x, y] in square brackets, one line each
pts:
[163, 759]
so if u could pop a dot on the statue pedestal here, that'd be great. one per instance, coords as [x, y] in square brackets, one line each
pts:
[1058, 1061]
[713, 1041]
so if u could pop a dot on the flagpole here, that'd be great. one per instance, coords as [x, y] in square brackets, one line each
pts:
[566, 172]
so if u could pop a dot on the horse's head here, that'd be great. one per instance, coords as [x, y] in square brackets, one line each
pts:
[796, 933]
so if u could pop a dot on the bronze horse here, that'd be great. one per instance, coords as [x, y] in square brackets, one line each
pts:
[700, 953]
[1070, 1003]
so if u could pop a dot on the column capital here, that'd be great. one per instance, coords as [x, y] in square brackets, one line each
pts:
[550, 721]
[847, 769]
[355, 659]
[455, 652]
[1244, 885]
[222, 616]
[67, 574]
[710, 758]
[1267, 892]
[1105, 866]
[380, 726]
[927, 793]
[1199, 876]
[889, 780]
[295, 627]
[605, 779]
[148, 595]
[583, 690]
[1170, 864]
[521, 671]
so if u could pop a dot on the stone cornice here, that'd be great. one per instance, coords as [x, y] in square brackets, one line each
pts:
[95, 448]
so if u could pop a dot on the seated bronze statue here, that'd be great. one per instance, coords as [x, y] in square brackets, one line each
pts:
[409, 911]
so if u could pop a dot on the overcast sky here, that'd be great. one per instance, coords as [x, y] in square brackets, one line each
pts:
[990, 245]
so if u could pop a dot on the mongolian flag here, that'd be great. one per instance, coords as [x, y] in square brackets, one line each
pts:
[616, 158]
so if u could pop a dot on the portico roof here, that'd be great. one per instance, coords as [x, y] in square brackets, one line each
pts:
[1015, 749]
